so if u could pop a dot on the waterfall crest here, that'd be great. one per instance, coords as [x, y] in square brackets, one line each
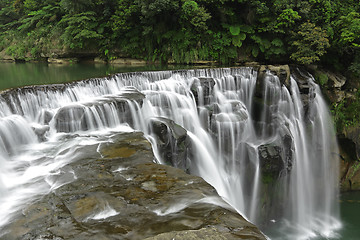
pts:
[267, 146]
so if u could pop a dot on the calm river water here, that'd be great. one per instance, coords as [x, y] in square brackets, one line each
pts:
[16, 75]
[23, 74]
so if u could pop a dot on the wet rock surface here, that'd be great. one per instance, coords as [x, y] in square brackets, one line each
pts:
[82, 117]
[349, 143]
[271, 161]
[172, 142]
[117, 192]
[281, 71]
[339, 90]
[202, 89]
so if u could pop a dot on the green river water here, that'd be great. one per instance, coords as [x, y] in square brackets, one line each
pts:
[22, 74]
[350, 214]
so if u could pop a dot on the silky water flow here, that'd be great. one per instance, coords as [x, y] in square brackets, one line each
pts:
[267, 147]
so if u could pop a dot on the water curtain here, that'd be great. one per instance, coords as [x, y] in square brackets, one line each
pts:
[267, 145]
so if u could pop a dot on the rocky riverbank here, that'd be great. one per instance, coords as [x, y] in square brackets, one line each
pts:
[118, 192]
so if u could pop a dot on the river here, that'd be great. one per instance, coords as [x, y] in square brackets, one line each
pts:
[23, 74]
[17, 75]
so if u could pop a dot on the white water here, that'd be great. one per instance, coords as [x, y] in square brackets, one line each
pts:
[226, 129]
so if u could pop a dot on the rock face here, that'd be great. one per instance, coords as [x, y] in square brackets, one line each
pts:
[202, 89]
[271, 161]
[349, 142]
[339, 90]
[353, 134]
[108, 111]
[276, 163]
[281, 71]
[119, 193]
[172, 142]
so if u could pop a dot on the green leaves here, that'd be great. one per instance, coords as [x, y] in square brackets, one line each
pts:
[234, 30]
[187, 30]
[236, 41]
[310, 43]
[194, 15]
[255, 52]
[277, 42]
[287, 18]
[79, 28]
[349, 29]
[238, 33]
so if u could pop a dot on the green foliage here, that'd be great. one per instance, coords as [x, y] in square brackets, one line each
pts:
[355, 66]
[322, 78]
[195, 15]
[234, 30]
[185, 31]
[310, 43]
[287, 18]
[16, 51]
[78, 6]
[122, 20]
[349, 26]
[79, 29]
[347, 113]
[238, 33]
[269, 48]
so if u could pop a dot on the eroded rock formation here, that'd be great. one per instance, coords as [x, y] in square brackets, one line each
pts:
[118, 192]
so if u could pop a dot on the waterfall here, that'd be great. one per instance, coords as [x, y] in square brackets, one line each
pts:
[267, 146]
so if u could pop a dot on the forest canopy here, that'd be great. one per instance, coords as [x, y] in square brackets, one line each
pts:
[184, 31]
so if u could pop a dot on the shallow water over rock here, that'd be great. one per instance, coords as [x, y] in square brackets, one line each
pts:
[120, 193]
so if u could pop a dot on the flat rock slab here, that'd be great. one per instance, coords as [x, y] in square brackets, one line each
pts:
[120, 193]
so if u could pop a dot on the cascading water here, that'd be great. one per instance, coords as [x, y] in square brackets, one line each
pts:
[266, 146]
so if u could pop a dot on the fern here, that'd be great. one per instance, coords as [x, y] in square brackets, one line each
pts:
[277, 42]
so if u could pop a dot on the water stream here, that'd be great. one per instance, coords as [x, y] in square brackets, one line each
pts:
[267, 147]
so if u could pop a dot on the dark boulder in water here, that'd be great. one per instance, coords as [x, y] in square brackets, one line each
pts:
[108, 111]
[172, 142]
[276, 158]
[271, 161]
[202, 89]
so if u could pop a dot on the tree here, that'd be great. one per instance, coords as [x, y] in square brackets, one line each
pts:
[309, 44]
[80, 30]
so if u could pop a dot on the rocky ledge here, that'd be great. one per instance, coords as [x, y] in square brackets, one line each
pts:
[118, 192]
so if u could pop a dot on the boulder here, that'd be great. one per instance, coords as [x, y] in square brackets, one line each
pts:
[119, 193]
[92, 115]
[40, 131]
[271, 162]
[202, 89]
[71, 119]
[281, 71]
[172, 142]
[302, 78]
[336, 80]
[276, 158]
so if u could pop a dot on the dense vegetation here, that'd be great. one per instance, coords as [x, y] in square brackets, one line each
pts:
[184, 31]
